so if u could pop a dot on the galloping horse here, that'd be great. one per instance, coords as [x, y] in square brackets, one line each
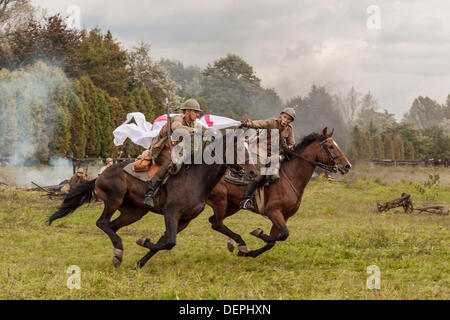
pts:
[283, 198]
[189, 190]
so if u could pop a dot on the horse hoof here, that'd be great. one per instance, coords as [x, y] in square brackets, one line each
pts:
[243, 250]
[231, 245]
[141, 242]
[116, 262]
[257, 233]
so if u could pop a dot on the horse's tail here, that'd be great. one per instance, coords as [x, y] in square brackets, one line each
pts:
[79, 195]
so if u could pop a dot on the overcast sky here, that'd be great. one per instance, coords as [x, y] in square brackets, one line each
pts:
[293, 44]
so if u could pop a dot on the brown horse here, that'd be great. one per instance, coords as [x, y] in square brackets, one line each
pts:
[181, 199]
[283, 198]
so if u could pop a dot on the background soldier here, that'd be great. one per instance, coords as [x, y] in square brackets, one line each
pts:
[109, 163]
[77, 178]
[287, 140]
[160, 150]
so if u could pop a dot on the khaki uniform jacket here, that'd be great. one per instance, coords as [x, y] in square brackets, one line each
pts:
[286, 133]
[177, 122]
[76, 180]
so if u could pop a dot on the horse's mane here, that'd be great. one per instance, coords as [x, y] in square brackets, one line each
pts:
[307, 140]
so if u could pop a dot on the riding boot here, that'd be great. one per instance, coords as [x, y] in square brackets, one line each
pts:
[153, 185]
[246, 202]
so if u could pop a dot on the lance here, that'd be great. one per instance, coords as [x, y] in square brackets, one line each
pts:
[169, 129]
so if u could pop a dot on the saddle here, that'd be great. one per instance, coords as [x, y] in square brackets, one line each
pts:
[243, 178]
[147, 174]
[145, 164]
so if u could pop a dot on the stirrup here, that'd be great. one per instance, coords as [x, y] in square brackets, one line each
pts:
[148, 200]
[247, 205]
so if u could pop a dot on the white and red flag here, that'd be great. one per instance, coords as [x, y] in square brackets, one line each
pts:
[141, 132]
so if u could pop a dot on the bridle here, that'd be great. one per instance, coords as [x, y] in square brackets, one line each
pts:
[323, 149]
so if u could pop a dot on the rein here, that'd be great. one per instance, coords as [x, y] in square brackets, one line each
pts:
[327, 167]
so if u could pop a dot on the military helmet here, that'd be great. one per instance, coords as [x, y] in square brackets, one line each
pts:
[108, 160]
[80, 170]
[191, 104]
[290, 112]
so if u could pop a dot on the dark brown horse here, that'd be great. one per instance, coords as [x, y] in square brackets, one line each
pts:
[283, 198]
[181, 199]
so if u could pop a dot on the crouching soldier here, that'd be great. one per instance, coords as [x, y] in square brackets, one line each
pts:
[78, 178]
[160, 151]
[287, 140]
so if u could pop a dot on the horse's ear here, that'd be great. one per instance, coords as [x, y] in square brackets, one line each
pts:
[331, 134]
[325, 132]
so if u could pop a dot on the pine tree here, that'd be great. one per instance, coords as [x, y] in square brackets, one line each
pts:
[61, 142]
[78, 126]
[378, 147]
[8, 120]
[104, 62]
[399, 148]
[389, 148]
[409, 151]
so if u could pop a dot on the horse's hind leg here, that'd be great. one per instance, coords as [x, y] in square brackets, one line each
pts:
[128, 215]
[104, 224]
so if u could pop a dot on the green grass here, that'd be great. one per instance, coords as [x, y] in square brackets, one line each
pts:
[334, 237]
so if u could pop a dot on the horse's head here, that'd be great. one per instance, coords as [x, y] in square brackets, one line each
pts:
[330, 154]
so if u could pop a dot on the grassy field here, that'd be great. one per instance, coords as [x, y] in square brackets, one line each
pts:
[334, 237]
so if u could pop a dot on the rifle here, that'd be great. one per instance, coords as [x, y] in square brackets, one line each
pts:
[41, 188]
[169, 129]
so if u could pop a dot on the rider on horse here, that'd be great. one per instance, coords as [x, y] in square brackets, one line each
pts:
[283, 124]
[160, 150]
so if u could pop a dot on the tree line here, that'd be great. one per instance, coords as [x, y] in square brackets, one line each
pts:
[423, 132]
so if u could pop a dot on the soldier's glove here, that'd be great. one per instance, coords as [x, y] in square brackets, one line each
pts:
[284, 146]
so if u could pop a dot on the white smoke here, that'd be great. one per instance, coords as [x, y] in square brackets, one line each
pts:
[27, 120]
[58, 171]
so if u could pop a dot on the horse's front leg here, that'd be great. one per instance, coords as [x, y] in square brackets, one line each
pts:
[166, 242]
[255, 253]
[279, 230]
[217, 225]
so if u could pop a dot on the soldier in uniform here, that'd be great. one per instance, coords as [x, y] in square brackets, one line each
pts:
[160, 151]
[109, 163]
[287, 140]
[77, 178]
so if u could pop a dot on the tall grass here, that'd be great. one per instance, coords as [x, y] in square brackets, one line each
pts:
[334, 237]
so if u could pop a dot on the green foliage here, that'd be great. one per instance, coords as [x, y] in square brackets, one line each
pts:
[77, 109]
[187, 78]
[104, 61]
[231, 88]
[401, 141]
[144, 73]
[430, 188]
[50, 40]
